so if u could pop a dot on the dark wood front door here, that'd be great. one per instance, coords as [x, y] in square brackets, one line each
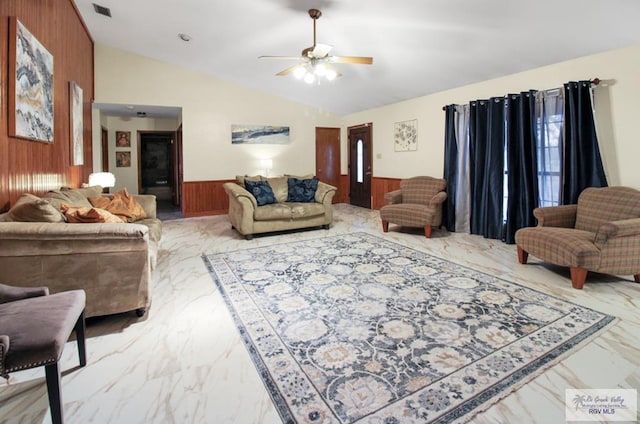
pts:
[328, 155]
[360, 165]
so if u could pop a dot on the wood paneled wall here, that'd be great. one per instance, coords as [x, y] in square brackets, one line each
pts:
[380, 186]
[202, 198]
[31, 166]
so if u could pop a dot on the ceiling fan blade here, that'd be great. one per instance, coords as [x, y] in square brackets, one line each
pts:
[288, 70]
[352, 59]
[320, 50]
[280, 57]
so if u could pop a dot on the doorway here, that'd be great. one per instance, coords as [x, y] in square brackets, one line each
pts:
[360, 165]
[158, 168]
[328, 156]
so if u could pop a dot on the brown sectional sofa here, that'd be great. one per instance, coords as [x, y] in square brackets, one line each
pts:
[248, 218]
[111, 262]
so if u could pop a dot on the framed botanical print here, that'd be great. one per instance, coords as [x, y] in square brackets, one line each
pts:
[405, 138]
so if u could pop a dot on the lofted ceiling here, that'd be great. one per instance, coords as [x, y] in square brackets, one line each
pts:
[419, 47]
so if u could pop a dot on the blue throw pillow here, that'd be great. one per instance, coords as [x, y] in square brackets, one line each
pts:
[262, 191]
[302, 190]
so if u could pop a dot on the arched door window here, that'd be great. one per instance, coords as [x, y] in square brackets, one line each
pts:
[360, 161]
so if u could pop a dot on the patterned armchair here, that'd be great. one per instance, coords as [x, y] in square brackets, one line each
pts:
[601, 234]
[418, 203]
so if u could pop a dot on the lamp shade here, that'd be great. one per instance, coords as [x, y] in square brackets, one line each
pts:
[102, 179]
[266, 164]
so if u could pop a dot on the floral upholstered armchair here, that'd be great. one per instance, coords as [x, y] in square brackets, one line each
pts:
[418, 203]
[601, 234]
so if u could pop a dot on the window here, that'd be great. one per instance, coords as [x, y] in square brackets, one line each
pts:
[549, 144]
[360, 160]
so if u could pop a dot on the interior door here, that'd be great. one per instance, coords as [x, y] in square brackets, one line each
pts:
[360, 162]
[177, 167]
[155, 164]
[328, 155]
[104, 140]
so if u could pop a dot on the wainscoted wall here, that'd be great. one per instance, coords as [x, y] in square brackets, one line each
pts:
[202, 198]
[31, 166]
[380, 186]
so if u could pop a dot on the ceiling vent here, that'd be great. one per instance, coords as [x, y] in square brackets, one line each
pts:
[101, 10]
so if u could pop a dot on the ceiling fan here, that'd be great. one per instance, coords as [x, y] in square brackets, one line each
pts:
[316, 61]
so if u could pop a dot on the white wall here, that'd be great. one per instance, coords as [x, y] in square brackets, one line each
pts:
[617, 106]
[209, 108]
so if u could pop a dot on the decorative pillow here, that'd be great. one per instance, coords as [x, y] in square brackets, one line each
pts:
[71, 196]
[302, 190]
[82, 215]
[279, 187]
[300, 177]
[262, 191]
[121, 204]
[30, 208]
[240, 179]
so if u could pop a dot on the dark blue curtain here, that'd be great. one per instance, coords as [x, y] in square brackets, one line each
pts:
[582, 164]
[450, 167]
[486, 150]
[522, 161]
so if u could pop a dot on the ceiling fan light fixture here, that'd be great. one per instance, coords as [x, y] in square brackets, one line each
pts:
[309, 78]
[299, 72]
[320, 70]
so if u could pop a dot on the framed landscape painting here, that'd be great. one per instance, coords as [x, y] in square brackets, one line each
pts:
[77, 128]
[259, 134]
[30, 85]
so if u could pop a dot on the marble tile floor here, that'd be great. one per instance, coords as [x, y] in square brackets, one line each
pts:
[184, 361]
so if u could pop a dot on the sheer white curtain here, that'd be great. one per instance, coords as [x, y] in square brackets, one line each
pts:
[550, 141]
[463, 192]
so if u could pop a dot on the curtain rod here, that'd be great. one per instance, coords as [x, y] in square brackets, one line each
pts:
[594, 81]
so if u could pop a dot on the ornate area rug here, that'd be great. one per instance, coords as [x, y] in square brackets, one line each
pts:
[357, 329]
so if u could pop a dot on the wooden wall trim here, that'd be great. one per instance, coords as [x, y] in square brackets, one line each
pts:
[32, 166]
[379, 187]
[202, 198]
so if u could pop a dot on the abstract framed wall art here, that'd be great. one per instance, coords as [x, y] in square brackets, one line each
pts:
[30, 86]
[76, 124]
[259, 134]
[405, 138]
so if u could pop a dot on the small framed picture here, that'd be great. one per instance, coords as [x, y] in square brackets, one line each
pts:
[77, 128]
[406, 136]
[123, 159]
[123, 138]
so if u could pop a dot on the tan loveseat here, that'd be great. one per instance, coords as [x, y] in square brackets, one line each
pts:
[248, 218]
[111, 262]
